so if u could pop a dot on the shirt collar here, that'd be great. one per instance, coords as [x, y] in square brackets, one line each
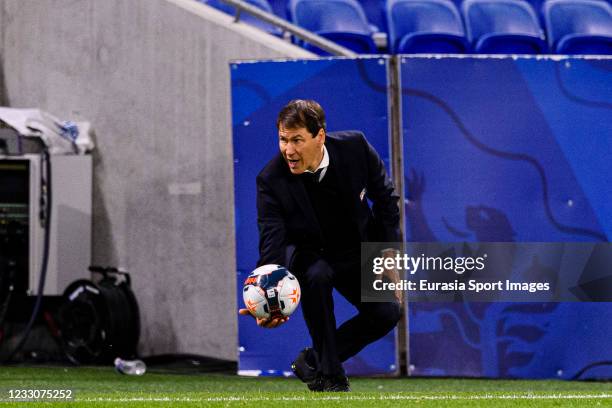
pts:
[323, 165]
[325, 160]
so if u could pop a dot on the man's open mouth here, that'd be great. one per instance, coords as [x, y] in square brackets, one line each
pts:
[292, 163]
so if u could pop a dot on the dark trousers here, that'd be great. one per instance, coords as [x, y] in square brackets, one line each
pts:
[337, 344]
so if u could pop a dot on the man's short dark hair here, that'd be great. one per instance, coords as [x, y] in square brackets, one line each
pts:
[300, 113]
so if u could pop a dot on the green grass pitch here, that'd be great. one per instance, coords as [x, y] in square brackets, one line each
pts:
[103, 387]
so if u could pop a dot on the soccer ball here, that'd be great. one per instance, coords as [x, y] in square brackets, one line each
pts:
[271, 291]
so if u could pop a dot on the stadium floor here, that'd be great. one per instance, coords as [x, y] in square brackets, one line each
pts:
[103, 387]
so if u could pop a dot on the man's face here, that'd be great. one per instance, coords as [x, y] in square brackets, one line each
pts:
[301, 151]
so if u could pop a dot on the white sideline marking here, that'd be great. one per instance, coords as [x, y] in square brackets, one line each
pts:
[358, 398]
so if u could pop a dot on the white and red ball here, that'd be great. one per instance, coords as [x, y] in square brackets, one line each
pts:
[271, 291]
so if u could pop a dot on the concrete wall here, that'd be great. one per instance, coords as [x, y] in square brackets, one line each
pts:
[152, 76]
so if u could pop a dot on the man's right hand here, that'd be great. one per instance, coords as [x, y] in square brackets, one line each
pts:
[270, 323]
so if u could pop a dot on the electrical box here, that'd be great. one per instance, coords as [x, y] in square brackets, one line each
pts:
[22, 219]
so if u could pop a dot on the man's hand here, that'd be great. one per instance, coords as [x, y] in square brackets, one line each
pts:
[270, 323]
[393, 275]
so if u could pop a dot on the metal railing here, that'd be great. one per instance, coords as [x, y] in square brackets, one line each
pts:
[286, 26]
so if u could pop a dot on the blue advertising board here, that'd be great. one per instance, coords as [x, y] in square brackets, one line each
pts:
[354, 96]
[508, 150]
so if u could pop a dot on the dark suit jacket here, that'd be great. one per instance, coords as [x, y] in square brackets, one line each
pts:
[286, 219]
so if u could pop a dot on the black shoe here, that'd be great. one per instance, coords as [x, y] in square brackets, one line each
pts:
[305, 366]
[337, 383]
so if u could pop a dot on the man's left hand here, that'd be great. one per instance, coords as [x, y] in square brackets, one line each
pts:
[392, 275]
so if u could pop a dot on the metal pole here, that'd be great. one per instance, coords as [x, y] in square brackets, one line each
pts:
[303, 34]
[397, 172]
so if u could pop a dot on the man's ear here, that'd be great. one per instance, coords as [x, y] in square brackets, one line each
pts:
[322, 135]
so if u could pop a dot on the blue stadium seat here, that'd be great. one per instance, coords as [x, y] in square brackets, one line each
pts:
[246, 17]
[503, 27]
[425, 26]
[579, 26]
[536, 5]
[375, 13]
[341, 21]
[279, 7]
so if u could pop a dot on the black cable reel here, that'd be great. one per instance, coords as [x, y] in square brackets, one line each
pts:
[100, 321]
